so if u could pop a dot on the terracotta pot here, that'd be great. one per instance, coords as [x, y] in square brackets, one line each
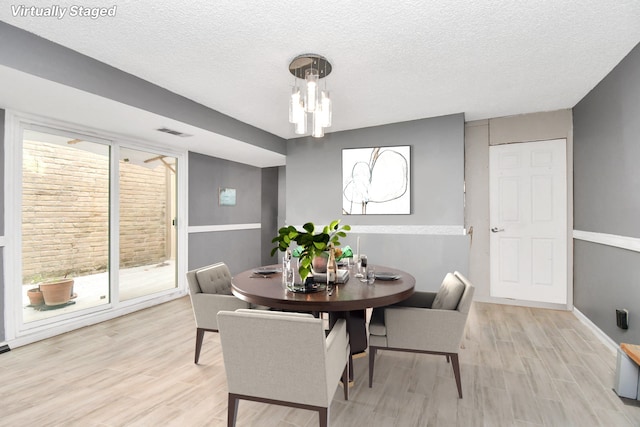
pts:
[35, 297]
[58, 292]
[319, 264]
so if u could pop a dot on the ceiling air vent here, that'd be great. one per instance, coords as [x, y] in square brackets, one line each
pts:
[174, 132]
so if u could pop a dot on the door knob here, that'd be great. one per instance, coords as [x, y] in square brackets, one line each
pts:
[496, 230]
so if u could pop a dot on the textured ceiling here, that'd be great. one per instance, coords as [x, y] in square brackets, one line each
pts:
[392, 61]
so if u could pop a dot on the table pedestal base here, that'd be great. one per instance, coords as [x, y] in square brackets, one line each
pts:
[357, 328]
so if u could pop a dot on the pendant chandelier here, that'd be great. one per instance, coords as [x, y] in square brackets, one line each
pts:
[308, 99]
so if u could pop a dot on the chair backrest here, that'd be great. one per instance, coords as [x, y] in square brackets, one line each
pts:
[213, 279]
[467, 296]
[275, 355]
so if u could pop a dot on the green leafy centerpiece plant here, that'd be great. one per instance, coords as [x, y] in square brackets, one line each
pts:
[310, 243]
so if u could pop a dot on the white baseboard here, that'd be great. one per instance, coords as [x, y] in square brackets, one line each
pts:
[521, 303]
[604, 338]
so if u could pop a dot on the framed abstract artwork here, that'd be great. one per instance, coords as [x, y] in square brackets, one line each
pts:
[376, 181]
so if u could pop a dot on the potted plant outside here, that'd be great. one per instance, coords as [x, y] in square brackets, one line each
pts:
[35, 297]
[310, 243]
[57, 292]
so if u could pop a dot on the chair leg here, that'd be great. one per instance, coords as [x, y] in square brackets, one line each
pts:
[456, 372]
[372, 358]
[232, 411]
[350, 363]
[199, 339]
[345, 381]
[323, 414]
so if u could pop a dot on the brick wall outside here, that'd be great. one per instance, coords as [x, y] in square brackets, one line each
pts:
[65, 212]
[143, 214]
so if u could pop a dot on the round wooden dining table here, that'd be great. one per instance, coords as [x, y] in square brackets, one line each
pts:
[268, 290]
[348, 300]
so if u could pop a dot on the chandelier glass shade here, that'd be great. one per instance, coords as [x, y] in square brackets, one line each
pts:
[307, 98]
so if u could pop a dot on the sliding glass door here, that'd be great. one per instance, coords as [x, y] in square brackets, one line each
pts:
[97, 225]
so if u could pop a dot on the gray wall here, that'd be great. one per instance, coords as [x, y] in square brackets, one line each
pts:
[606, 182]
[282, 200]
[239, 249]
[269, 211]
[2, 335]
[606, 278]
[481, 134]
[607, 152]
[314, 169]
[314, 182]
[2, 115]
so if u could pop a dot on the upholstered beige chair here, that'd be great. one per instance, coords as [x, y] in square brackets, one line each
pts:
[283, 359]
[210, 291]
[428, 322]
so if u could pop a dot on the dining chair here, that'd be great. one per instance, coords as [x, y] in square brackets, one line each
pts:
[427, 322]
[210, 292]
[283, 358]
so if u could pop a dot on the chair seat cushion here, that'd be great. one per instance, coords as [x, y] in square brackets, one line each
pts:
[449, 294]
[376, 324]
[214, 280]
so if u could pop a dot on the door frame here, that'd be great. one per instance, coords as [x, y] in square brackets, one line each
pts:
[15, 333]
[569, 232]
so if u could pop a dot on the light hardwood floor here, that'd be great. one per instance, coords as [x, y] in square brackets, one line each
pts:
[520, 367]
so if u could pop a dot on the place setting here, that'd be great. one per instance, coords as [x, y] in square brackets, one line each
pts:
[386, 276]
[367, 273]
[264, 272]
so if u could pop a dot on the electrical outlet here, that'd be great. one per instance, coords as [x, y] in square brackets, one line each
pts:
[622, 318]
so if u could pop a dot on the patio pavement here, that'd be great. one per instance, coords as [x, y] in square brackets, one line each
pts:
[93, 290]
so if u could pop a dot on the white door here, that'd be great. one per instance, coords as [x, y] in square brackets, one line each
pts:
[528, 220]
